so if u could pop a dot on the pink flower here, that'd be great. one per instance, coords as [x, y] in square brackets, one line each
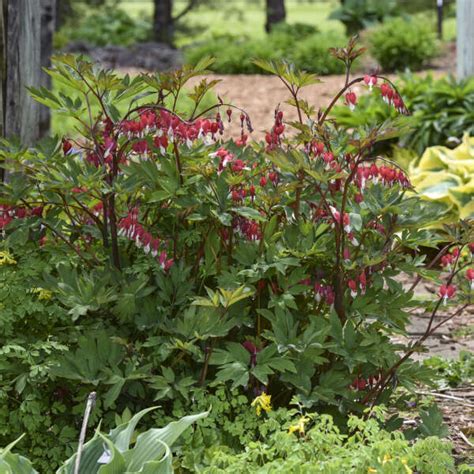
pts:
[67, 147]
[317, 148]
[387, 93]
[470, 276]
[164, 261]
[353, 287]
[242, 141]
[446, 292]
[237, 166]
[370, 80]
[362, 282]
[351, 100]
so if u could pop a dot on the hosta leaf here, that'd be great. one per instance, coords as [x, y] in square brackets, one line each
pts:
[152, 445]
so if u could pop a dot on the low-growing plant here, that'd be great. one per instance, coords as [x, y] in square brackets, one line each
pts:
[452, 373]
[401, 43]
[179, 262]
[447, 176]
[119, 451]
[313, 443]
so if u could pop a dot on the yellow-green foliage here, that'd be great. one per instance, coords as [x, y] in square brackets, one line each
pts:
[447, 176]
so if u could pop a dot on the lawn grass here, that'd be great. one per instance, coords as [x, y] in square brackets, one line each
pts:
[247, 18]
[240, 17]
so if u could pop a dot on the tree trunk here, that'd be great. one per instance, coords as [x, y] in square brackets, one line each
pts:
[48, 26]
[163, 24]
[465, 38]
[20, 28]
[276, 13]
[63, 11]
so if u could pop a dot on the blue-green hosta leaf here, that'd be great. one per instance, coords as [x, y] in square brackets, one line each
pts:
[163, 466]
[14, 463]
[151, 445]
[91, 453]
[112, 460]
[122, 434]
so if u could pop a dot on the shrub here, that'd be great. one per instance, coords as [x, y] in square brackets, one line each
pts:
[443, 111]
[179, 262]
[401, 44]
[105, 27]
[357, 15]
[235, 56]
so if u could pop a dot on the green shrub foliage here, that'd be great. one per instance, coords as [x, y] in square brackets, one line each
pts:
[357, 15]
[301, 46]
[104, 26]
[401, 44]
[150, 259]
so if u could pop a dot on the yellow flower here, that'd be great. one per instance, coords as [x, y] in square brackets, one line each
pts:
[386, 459]
[299, 427]
[42, 293]
[262, 402]
[407, 469]
[6, 259]
[371, 470]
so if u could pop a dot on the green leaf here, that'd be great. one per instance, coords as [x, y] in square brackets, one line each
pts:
[432, 423]
[152, 445]
[249, 213]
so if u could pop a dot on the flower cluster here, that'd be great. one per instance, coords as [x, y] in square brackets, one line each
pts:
[228, 158]
[448, 259]
[166, 124]
[247, 228]
[6, 259]
[361, 383]
[262, 403]
[389, 94]
[133, 230]
[273, 138]
[324, 293]
[385, 174]
[359, 284]
[8, 213]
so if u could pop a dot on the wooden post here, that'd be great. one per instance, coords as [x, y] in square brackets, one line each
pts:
[439, 5]
[21, 60]
[465, 38]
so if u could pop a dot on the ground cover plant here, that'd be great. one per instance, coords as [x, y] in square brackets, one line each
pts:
[149, 259]
[447, 176]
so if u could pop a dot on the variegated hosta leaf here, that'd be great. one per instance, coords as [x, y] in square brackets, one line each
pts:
[111, 454]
